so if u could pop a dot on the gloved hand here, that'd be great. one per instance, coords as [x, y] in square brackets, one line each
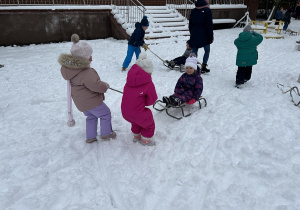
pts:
[211, 41]
[145, 46]
[107, 85]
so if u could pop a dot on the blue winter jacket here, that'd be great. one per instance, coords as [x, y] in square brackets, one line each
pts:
[201, 26]
[137, 37]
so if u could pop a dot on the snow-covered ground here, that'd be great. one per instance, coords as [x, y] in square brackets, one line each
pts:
[240, 152]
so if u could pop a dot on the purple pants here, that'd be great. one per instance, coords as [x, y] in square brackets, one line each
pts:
[102, 111]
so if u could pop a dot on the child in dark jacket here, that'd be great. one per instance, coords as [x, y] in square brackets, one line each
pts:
[136, 41]
[189, 86]
[247, 54]
[181, 59]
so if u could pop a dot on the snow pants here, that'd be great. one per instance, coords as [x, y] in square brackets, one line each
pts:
[102, 111]
[142, 123]
[130, 50]
[180, 60]
[243, 74]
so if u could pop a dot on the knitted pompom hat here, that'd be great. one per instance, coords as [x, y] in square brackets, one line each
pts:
[145, 22]
[145, 63]
[191, 61]
[80, 49]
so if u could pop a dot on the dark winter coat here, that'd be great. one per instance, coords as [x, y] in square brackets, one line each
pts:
[189, 87]
[246, 44]
[201, 26]
[287, 16]
[137, 37]
[278, 15]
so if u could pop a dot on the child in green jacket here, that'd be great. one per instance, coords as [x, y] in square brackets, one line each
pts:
[247, 54]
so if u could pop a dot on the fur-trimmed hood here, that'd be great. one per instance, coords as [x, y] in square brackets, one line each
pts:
[72, 62]
[71, 66]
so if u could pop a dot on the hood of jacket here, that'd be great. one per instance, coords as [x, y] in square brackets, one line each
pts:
[138, 25]
[137, 76]
[201, 3]
[245, 36]
[72, 66]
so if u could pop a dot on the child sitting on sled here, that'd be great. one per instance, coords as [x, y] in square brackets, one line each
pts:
[189, 86]
[181, 59]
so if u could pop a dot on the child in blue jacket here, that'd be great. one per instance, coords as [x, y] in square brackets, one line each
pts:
[136, 41]
[189, 86]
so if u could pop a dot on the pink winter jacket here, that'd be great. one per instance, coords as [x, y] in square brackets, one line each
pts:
[87, 90]
[139, 91]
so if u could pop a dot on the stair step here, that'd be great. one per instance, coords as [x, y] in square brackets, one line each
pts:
[160, 20]
[158, 11]
[161, 15]
[171, 24]
[156, 7]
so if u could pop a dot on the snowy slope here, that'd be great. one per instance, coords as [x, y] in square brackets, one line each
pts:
[240, 152]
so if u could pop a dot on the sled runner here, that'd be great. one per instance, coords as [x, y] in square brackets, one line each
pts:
[167, 108]
[176, 67]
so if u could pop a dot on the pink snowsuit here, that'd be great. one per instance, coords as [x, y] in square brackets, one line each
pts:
[139, 91]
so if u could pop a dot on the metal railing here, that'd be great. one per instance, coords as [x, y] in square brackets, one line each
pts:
[55, 2]
[226, 2]
[131, 10]
[183, 6]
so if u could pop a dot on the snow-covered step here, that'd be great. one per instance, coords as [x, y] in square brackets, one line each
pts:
[156, 7]
[170, 24]
[180, 28]
[168, 11]
[162, 15]
[161, 20]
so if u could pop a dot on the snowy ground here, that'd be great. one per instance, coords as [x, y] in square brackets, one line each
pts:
[240, 152]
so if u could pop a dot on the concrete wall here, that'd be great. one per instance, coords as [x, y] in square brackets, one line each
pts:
[45, 26]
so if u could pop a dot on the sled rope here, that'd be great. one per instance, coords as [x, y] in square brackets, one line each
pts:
[156, 55]
[292, 89]
[116, 90]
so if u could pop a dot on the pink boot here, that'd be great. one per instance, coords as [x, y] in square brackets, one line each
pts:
[136, 137]
[147, 141]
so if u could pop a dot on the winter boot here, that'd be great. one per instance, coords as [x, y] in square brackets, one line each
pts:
[166, 100]
[108, 137]
[147, 141]
[238, 85]
[204, 69]
[91, 140]
[172, 64]
[175, 101]
[136, 137]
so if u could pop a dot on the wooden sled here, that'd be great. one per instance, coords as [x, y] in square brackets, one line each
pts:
[167, 108]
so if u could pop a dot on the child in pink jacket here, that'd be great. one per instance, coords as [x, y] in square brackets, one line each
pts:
[87, 89]
[139, 92]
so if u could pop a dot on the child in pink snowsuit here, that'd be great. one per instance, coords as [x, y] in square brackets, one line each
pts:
[139, 92]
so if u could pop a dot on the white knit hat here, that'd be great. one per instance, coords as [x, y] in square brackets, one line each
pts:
[145, 63]
[191, 61]
[80, 49]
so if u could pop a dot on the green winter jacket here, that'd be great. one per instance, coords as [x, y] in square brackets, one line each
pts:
[246, 44]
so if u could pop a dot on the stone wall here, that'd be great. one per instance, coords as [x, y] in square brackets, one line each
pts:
[21, 27]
